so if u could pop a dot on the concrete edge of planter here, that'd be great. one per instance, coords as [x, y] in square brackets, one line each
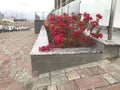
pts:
[106, 42]
[42, 40]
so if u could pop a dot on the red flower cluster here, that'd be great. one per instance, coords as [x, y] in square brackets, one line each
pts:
[71, 30]
[99, 16]
[45, 48]
[58, 40]
[94, 23]
[99, 35]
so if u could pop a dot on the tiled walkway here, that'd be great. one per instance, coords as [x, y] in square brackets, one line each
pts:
[102, 75]
[15, 64]
[15, 69]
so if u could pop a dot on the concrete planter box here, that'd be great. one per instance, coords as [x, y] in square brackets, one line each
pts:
[57, 58]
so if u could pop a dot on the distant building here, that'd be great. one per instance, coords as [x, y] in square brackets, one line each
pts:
[1, 15]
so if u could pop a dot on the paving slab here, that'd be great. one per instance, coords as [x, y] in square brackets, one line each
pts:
[116, 75]
[60, 71]
[52, 87]
[72, 75]
[96, 70]
[42, 82]
[72, 68]
[70, 85]
[112, 87]
[109, 68]
[44, 75]
[104, 62]
[93, 64]
[91, 82]
[59, 78]
[109, 78]
[85, 73]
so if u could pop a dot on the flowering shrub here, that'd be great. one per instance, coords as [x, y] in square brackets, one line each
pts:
[71, 31]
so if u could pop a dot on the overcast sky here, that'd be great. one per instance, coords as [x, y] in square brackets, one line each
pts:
[27, 6]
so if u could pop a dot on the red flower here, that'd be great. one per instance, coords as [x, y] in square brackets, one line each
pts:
[94, 23]
[97, 35]
[81, 23]
[45, 48]
[84, 40]
[99, 16]
[93, 34]
[54, 32]
[76, 34]
[86, 14]
[70, 43]
[83, 28]
[79, 14]
[100, 35]
[58, 40]
[87, 18]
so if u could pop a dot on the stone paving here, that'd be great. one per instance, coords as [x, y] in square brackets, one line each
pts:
[101, 75]
[15, 69]
[15, 64]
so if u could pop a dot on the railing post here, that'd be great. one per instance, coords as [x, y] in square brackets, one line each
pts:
[79, 4]
[61, 10]
[58, 12]
[43, 15]
[68, 8]
[112, 14]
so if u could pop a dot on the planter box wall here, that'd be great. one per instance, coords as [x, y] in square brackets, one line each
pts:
[47, 63]
[60, 58]
[57, 58]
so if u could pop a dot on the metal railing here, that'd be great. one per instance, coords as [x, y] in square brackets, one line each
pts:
[63, 4]
[67, 7]
[108, 13]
